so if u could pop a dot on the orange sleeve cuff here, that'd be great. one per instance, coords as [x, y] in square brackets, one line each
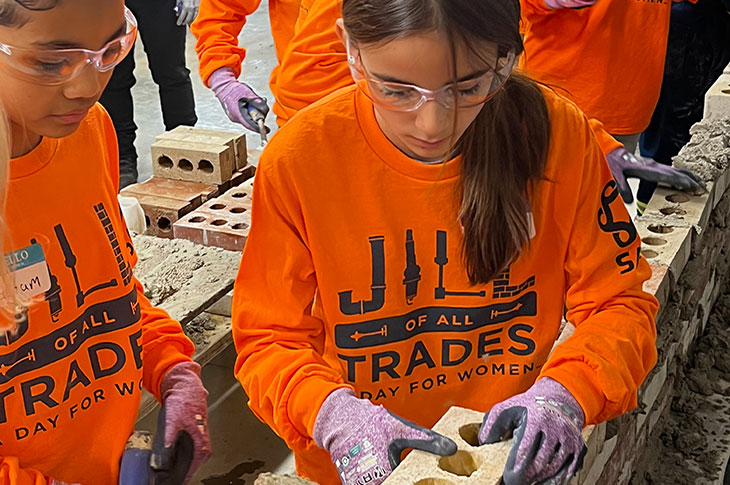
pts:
[159, 360]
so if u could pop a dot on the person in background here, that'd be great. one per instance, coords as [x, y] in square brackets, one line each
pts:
[610, 64]
[396, 264]
[81, 340]
[162, 27]
[698, 51]
[217, 29]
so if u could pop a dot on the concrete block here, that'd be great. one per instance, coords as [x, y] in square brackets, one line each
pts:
[194, 162]
[665, 245]
[237, 141]
[222, 222]
[192, 192]
[223, 306]
[161, 213]
[471, 464]
[717, 99]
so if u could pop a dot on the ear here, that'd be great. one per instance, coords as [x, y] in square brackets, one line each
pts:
[342, 35]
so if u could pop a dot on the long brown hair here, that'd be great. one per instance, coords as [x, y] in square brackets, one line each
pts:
[504, 150]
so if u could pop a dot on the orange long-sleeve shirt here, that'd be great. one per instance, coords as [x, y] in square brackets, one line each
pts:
[71, 379]
[352, 276]
[219, 23]
[609, 57]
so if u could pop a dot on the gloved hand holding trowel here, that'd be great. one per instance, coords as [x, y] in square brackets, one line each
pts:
[240, 102]
[181, 442]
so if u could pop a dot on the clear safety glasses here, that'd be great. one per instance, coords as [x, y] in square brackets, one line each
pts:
[56, 66]
[408, 97]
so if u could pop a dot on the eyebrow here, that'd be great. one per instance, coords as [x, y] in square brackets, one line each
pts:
[391, 79]
[63, 44]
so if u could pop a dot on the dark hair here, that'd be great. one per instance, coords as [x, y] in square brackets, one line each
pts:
[11, 10]
[504, 150]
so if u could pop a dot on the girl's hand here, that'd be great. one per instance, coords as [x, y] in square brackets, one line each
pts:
[186, 411]
[365, 441]
[548, 445]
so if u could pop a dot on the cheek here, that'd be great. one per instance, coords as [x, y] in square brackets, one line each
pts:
[27, 103]
[465, 118]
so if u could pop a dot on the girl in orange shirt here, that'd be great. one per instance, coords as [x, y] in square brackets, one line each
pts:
[415, 240]
[79, 340]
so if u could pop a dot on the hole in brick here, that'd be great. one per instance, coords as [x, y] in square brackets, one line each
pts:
[185, 165]
[165, 162]
[206, 166]
[240, 226]
[147, 221]
[462, 463]
[726, 91]
[677, 198]
[433, 481]
[219, 222]
[668, 211]
[197, 219]
[654, 241]
[239, 195]
[659, 229]
[238, 210]
[649, 253]
[470, 433]
[164, 224]
[217, 207]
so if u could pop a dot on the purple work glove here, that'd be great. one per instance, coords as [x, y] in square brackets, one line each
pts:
[555, 4]
[186, 11]
[186, 412]
[237, 98]
[366, 441]
[624, 164]
[546, 421]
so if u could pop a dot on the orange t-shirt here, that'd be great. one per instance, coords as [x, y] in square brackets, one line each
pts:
[352, 276]
[219, 23]
[71, 379]
[608, 57]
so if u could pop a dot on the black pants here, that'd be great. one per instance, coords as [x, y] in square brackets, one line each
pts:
[698, 51]
[164, 44]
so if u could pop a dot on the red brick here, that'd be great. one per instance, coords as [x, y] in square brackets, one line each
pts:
[222, 222]
[192, 192]
[161, 213]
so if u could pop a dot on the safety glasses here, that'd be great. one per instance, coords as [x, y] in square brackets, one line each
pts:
[57, 66]
[408, 97]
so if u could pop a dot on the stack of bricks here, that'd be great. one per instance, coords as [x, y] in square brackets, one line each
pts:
[191, 166]
[223, 222]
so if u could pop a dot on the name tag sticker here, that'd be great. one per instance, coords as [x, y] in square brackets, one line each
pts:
[30, 271]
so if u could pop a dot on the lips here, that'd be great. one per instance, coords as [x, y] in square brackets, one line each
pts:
[72, 117]
[430, 144]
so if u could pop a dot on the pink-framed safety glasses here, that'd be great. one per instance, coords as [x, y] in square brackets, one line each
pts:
[57, 66]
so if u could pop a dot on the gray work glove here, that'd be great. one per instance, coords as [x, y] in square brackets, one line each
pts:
[624, 164]
[546, 423]
[187, 10]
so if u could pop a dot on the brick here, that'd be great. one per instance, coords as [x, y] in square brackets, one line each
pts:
[194, 162]
[472, 464]
[237, 141]
[192, 192]
[161, 213]
[717, 99]
[671, 249]
[659, 284]
[222, 222]
[239, 177]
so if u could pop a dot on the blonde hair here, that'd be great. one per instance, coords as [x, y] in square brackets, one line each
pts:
[9, 301]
